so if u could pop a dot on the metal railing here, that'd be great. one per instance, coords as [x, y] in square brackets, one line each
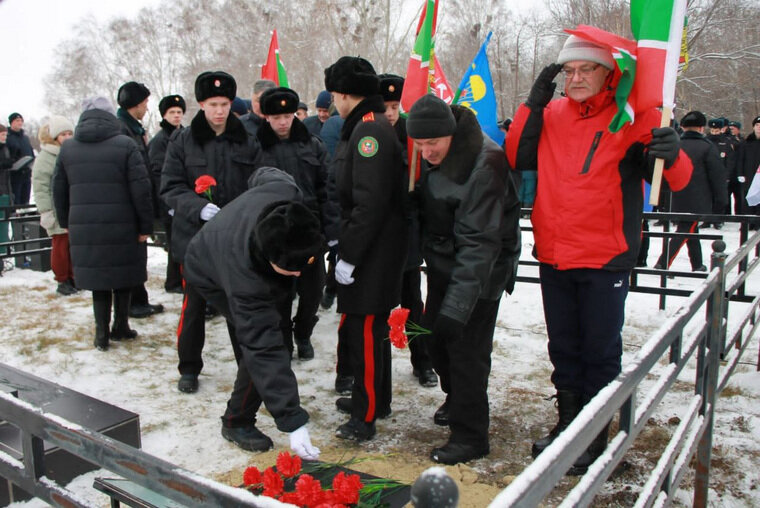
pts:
[696, 331]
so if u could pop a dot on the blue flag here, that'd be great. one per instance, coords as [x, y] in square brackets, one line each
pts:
[476, 93]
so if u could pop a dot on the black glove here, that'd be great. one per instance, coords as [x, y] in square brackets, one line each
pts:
[332, 253]
[542, 90]
[665, 144]
[447, 329]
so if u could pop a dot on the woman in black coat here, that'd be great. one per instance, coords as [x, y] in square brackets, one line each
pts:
[102, 194]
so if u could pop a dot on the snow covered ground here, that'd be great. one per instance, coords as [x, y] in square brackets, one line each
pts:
[51, 337]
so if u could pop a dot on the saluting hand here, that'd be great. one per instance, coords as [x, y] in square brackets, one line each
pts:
[543, 88]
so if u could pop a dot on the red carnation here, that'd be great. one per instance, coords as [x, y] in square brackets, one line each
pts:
[273, 483]
[288, 465]
[309, 489]
[398, 338]
[203, 185]
[251, 476]
[346, 488]
[398, 318]
[402, 331]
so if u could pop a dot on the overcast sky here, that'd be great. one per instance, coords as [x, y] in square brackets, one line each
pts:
[32, 28]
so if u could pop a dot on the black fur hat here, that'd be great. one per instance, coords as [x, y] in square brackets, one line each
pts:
[352, 75]
[694, 119]
[391, 86]
[215, 84]
[289, 235]
[131, 94]
[171, 101]
[278, 101]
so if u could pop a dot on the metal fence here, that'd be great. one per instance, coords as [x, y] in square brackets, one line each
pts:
[697, 332]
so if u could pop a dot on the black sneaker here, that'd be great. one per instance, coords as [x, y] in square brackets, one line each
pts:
[248, 438]
[188, 383]
[345, 405]
[455, 453]
[145, 310]
[427, 377]
[344, 384]
[123, 332]
[66, 288]
[355, 430]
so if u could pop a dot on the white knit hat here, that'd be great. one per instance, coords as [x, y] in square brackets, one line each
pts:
[58, 124]
[576, 48]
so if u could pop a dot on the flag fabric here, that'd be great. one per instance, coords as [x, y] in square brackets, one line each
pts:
[476, 93]
[657, 26]
[683, 59]
[440, 86]
[273, 69]
[420, 67]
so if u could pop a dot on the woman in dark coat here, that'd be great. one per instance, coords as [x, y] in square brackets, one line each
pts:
[102, 194]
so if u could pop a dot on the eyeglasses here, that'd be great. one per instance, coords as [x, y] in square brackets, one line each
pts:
[583, 72]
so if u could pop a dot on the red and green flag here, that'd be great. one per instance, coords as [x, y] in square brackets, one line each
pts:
[273, 69]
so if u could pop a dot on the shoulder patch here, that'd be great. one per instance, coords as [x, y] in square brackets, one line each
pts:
[369, 117]
[368, 146]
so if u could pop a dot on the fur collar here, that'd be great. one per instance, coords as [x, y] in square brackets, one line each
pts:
[132, 123]
[752, 137]
[373, 103]
[203, 133]
[268, 138]
[167, 127]
[465, 146]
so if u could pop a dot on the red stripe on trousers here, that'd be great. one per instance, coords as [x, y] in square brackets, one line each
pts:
[680, 245]
[369, 368]
[184, 306]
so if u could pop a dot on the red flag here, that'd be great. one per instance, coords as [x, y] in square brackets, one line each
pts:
[273, 69]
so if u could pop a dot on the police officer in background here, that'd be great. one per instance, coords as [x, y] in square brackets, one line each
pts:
[216, 144]
[287, 144]
[373, 236]
[728, 158]
[391, 87]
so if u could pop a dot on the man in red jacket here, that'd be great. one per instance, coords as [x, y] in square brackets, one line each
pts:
[586, 217]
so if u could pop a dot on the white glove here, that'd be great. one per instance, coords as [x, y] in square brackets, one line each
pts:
[171, 212]
[742, 179]
[47, 219]
[208, 212]
[344, 272]
[300, 443]
[332, 243]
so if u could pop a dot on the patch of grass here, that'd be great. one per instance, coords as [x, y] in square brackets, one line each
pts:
[733, 391]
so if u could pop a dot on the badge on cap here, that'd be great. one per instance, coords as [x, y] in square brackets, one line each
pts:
[217, 83]
[283, 103]
[310, 261]
[391, 88]
[176, 99]
[368, 146]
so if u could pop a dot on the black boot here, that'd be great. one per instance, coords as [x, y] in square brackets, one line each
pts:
[594, 450]
[569, 404]
[101, 306]
[121, 328]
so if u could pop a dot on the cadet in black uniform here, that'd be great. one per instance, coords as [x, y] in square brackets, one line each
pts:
[373, 237]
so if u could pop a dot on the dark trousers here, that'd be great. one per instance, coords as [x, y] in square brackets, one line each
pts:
[369, 350]
[309, 289]
[464, 365]
[736, 190]
[644, 247]
[173, 272]
[674, 245]
[411, 298]
[584, 311]
[60, 258]
[21, 186]
[191, 332]
[331, 285]
[139, 295]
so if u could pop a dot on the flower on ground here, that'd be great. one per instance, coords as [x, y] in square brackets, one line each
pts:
[273, 483]
[251, 476]
[288, 465]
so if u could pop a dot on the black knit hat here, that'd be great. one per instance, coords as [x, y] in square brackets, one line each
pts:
[352, 75]
[289, 235]
[278, 101]
[131, 94]
[391, 86]
[215, 84]
[430, 117]
[694, 119]
[13, 116]
[171, 101]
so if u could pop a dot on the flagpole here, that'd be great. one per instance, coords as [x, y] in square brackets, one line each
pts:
[654, 194]
[413, 168]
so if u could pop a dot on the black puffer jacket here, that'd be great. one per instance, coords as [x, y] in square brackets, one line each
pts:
[230, 158]
[5, 164]
[708, 182]
[229, 270]
[101, 191]
[156, 155]
[470, 220]
[304, 157]
[370, 189]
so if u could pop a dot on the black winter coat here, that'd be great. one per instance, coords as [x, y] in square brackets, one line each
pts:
[5, 164]
[230, 158]
[304, 157]
[313, 124]
[470, 220]
[727, 155]
[749, 159]
[225, 264]
[251, 122]
[370, 189]
[414, 250]
[156, 155]
[19, 145]
[707, 185]
[101, 192]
